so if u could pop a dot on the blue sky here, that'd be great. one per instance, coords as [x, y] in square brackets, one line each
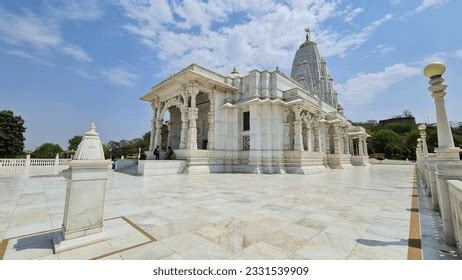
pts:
[65, 64]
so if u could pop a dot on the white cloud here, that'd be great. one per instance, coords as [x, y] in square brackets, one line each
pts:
[362, 88]
[439, 56]
[119, 76]
[30, 30]
[426, 4]
[352, 13]
[382, 49]
[395, 2]
[76, 52]
[82, 73]
[75, 10]
[28, 56]
[333, 43]
[458, 53]
[246, 33]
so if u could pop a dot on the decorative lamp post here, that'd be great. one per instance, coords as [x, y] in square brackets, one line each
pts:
[423, 136]
[448, 164]
[446, 149]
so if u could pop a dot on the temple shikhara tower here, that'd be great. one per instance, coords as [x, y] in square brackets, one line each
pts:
[260, 122]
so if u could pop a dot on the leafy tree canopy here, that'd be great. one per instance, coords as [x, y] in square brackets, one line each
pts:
[117, 149]
[11, 134]
[47, 150]
[398, 140]
[74, 142]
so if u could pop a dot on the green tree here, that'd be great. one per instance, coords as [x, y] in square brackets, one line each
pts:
[47, 150]
[116, 149]
[74, 142]
[11, 134]
[383, 138]
[407, 113]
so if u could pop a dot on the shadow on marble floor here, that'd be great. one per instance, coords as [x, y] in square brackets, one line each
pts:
[39, 241]
[375, 243]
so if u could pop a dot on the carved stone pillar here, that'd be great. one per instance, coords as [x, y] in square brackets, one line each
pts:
[346, 146]
[158, 138]
[327, 140]
[309, 141]
[193, 91]
[184, 122]
[365, 146]
[317, 138]
[360, 146]
[211, 119]
[336, 139]
[286, 130]
[184, 128]
[169, 134]
[298, 136]
[350, 146]
[153, 126]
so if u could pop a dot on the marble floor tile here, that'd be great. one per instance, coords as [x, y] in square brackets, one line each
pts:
[152, 251]
[183, 241]
[335, 241]
[317, 251]
[285, 241]
[87, 252]
[206, 251]
[264, 251]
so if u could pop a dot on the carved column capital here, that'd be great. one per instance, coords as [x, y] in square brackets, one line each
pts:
[297, 109]
[193, 88]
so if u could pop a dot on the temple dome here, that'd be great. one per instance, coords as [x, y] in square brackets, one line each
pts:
[310, 70]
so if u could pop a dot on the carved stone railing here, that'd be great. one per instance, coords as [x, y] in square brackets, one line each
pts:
[32, 167]
[455, 195]
[12, 162]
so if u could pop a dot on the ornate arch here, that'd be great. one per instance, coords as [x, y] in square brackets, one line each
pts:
[176, 101]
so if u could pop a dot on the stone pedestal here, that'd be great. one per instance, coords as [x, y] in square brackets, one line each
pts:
[455, 194]
[447, 170]
[85, 192]
[430, 169]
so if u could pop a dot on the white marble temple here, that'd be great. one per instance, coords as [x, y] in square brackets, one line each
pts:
[261, 122]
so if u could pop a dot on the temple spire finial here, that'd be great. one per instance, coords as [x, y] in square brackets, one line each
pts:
[307, 30]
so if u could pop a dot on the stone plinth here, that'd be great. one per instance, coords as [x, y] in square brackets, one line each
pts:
[161, 167]
[430, 170]
[455, 195]
[360, 160]
[85, 193]
[304, 162]
[338, 161]
[447, 170]
[83, 213]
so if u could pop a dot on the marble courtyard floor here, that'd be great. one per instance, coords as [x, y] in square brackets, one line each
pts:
[357, 213]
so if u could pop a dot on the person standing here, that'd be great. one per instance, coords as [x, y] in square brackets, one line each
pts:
[170, 154]
[157, 152]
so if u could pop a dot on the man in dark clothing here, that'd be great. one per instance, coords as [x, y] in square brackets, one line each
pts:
[170, 154]
[157, 152]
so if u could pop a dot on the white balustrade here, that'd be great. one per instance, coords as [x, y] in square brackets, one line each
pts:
[455, 194]
[35, 166]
